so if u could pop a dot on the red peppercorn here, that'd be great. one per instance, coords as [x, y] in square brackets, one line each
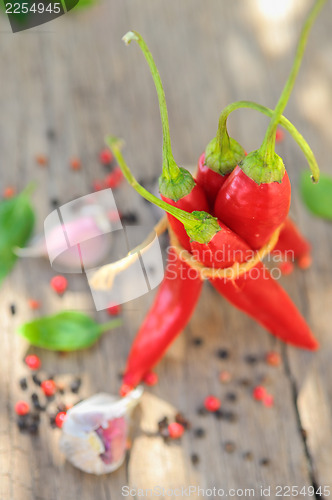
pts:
[75, 164]
[34, 304]
[175, 430]
[97, 185]
[113, 309]
[225, 377]
[280, 135]
[9, 192]
[150, 378]
[212, 403]
[259, 393]
[268, 400]
[33, 361]
[48, 387]
[114, 179]
[286, 267]
[60, 418]
[305, 261]
[41, 160]
[105, 157]
[22, 408]
[59, 284]
[273, 358]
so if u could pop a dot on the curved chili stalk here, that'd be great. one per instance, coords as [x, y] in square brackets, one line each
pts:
[283, 121]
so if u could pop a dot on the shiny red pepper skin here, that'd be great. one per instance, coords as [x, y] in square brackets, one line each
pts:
[209, 180]
[170, 312]
[253, 211]
[291, 243]
[195, 200]
[256, 292]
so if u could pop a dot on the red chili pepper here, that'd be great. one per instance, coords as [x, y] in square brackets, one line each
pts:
[255, 292]
[172, 308]
[253, 211]
[291, 243]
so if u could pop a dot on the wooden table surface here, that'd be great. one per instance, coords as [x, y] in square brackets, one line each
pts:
[64, 86]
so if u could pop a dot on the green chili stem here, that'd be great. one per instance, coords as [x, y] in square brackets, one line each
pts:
[104, 327]
[268, 145]
[187, 219]
[299, 139]
[170, 168]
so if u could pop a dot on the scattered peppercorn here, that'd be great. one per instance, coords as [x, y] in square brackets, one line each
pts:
[199, 432]
[9, 192]
[114, 179]
[212, 403]
[13, 309]
[286, 267]
[273, 358]
[219, 414]
[129, 218]
[22, 408]
[105, 157]
[163, 424]
[41, 160]
[259, 393]
[60, 418]
[59, 284]
[231, 396]
[245, 382]
[265, 462]
[223, 353]
[34, 304]
[225, 377]
[251, 359]
[268, 400]
[304, 262]
[49, 388]
[180, 419]
[150, 379]
[33, 362]
[175, 430]
[55, 202]
[201, 411]
[194, 459]
[75, 164]
[36, 379]
[23, 383]
[230, 447]
[76, 385]
[230, 416]
[197, 341]
[113, 309]
[248, 455]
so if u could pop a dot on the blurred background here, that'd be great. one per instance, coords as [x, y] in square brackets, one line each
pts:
[64, 86]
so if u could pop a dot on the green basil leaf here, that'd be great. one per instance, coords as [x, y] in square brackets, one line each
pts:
[65, 331]
[317, 197]
[17, 220]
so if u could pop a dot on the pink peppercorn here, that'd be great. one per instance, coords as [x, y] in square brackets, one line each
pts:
[60, 418]
[59, 284]
[212, 403]
[259, 393]
[175, 430]
[150, 379]
[105, 157]
[33, 362]
[22, 408]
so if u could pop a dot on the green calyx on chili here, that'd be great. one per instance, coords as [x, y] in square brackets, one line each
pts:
[284, 122]
[175, 182]
[264, 165]
[199, 225]
[223, 153]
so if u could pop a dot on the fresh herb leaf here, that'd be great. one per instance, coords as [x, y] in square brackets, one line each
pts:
[317, 197]
[17, 219]
[65, 331]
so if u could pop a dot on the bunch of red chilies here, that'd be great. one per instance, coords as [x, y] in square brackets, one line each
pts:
[230, 209]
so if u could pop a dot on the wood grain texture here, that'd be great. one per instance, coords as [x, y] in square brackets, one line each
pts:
[64, 86]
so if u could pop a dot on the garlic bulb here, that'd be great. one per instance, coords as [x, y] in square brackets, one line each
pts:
[94, 434]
